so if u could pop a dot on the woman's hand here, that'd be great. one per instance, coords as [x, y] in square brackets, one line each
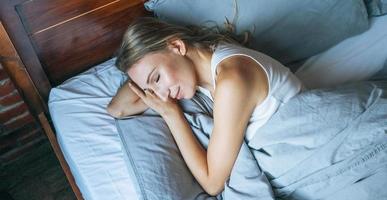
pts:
[164, 108]
[126, 103]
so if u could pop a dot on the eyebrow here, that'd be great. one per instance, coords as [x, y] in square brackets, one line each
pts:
[147, 81]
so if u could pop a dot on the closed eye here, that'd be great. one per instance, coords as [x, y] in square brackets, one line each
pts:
[158, 78]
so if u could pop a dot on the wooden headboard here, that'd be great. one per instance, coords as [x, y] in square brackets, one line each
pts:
[44, 42]
[57, 39]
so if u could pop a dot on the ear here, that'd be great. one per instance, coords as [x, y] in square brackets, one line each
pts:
[177, 46]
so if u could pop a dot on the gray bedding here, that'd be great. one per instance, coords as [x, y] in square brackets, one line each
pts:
[322, 144]
[327, 144]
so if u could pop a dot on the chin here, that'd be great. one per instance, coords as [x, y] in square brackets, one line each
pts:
[188, 97]
[191, 94]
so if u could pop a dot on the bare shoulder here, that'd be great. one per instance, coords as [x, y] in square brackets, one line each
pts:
[245, 73]
[239, 63]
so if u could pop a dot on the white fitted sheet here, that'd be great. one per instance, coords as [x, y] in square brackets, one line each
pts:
[354, 59]
[88, 136]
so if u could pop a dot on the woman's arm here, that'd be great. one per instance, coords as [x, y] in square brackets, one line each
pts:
[241, 85]
[125, 103]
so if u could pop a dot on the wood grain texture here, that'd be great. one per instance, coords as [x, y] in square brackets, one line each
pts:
[21, 42]
[39, 15]
[71, 36]
[11, 62]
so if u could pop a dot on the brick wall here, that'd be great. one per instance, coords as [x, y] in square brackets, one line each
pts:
[19, 131]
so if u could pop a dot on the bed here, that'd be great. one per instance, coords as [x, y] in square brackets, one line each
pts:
[69, 57]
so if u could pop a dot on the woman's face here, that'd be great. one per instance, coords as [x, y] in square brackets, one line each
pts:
[167, 73]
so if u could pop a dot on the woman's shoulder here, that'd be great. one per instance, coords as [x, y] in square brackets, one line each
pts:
[228, 54]
[233, 62]
[237, 63]
[241, 76]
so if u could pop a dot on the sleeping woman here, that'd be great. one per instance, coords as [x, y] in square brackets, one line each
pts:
[166, 63]
[318, 144]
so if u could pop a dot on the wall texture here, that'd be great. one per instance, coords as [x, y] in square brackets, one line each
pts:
[19, 131]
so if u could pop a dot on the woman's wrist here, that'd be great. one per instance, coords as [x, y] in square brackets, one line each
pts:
[172, 115]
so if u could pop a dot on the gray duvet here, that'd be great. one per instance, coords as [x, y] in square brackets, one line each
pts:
[327, 144]
[322, 144]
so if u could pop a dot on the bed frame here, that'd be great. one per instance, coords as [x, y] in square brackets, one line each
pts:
[44, 42]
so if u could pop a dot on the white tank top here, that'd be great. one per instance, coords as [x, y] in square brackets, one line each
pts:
[283, 85]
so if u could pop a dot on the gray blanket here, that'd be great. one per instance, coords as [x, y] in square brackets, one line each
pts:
[322, 144]
[327, 144]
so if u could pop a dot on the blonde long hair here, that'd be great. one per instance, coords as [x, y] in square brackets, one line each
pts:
[148, 34]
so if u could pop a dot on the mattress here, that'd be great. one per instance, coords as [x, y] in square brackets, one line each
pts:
[88, 136]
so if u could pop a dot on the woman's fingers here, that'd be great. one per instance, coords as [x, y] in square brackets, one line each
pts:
[136, 90]
[146, 92]
[150, 98]
[149, 92]
[141, 93]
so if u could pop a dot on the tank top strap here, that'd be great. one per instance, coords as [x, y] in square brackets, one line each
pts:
[221, 53]
[224, 51]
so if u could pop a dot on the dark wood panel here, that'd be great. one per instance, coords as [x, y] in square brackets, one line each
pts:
[38, 15]
[10, 60]
[23, 46]
[77, 44]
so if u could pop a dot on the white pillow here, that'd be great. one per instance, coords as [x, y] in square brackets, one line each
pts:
[87, 134]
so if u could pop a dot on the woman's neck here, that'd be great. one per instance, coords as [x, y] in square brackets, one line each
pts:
[202, 62]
